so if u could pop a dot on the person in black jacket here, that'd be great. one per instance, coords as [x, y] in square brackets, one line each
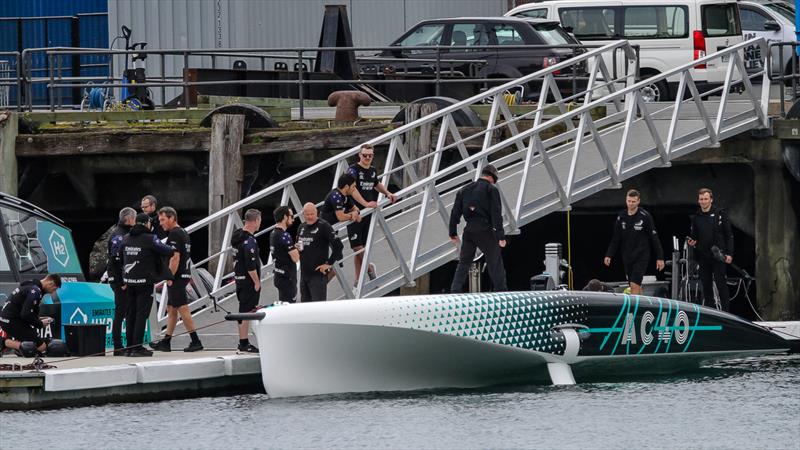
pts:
[314, 239]
[247, 272]
[634, 234]
[19, 317]
[149, 206]
[711, 228]
[479, 203]
[284, 255]
[127, 218]
[141, 251]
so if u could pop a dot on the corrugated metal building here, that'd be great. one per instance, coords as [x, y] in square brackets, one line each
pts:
[50, 23]
[206, 24]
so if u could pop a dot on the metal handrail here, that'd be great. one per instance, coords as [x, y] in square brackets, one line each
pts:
[793, 75]
[57, 81]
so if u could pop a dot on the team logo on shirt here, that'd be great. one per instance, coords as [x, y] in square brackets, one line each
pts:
[638, 225]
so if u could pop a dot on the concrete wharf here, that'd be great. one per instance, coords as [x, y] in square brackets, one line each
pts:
[94, 380]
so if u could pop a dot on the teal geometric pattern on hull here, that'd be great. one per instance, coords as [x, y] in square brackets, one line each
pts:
[508, 318]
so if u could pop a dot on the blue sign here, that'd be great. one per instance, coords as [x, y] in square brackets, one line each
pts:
[91, 303]
[56, 241]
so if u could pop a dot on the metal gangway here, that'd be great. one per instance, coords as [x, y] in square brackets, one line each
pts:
[563, 157]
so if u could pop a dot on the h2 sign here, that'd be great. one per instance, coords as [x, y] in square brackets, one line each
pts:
[56, 241]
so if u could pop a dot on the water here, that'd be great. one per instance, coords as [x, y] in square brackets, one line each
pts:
[752, 403]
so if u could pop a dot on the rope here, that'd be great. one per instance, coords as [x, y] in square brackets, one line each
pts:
[96, 98]
[37, 365]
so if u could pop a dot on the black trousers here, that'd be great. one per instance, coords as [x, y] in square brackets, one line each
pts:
[714, 271]
[286, 286]
[140, 298]
[313, 287]
[480, 237]
[120, 311]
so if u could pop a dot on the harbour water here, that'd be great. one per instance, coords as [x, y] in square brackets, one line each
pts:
[750, 403]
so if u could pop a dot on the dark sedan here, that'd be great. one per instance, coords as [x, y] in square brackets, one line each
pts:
[469, 54]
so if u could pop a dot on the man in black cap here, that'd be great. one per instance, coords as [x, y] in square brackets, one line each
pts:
[479, 202]
[141, 251]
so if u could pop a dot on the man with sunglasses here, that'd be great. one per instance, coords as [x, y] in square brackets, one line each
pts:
[366, 195]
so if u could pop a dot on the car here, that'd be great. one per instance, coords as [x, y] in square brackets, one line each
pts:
[472, 55]
[669, 33]
[774, 21]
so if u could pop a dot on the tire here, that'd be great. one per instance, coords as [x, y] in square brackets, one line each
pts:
[656, 92]
[463, 117]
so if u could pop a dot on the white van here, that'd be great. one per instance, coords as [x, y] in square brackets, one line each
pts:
[669, 33]
[774, 21]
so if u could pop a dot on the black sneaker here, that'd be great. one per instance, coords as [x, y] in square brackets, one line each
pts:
[140, 352]
[162, 345]
[249, 348]
[194, 347]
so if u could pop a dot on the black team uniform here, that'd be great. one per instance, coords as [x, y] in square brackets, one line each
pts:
[313, 242]
[335, 201]
[115, 280]
[246, 256]
[141, 251]
[155, 226]
[479, 203]
[285, 270]
[710, 229]
[366, 180]
[19, 318]
[633, 236]
[179, 240]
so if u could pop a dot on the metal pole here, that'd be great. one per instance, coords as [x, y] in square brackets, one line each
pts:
[75, 33]
[60, 80]
[163, 80]
[675, 281]
[438, 70]
[52, 81]
[300, 81]
[19, 81]
[185, 86]
[781, 77]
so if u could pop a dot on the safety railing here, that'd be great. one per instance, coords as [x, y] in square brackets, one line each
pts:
[784, 68]
[10, 78]
[544, 168]
[442, 69]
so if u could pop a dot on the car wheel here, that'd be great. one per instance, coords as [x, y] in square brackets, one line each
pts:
[656, 92]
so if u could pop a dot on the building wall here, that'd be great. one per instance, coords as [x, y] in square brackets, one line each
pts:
[205, 24]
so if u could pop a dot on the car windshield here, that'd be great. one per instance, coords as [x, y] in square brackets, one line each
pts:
[552, 34]
[423, 35]
[783, 9]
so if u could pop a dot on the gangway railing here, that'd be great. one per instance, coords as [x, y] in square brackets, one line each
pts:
[544, 168]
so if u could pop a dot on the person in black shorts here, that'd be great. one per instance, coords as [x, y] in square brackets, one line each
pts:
[247, 272]
[177, 299]
[284, 254]
[366, 194]
[19, 317]
[634, 234]
[314, 238]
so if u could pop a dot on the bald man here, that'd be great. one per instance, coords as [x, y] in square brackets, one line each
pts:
[319, 250]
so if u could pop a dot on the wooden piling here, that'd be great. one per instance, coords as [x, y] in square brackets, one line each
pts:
[8, 157]
[225, 169]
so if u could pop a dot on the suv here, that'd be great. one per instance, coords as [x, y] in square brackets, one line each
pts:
[469, 56]
[774, 21]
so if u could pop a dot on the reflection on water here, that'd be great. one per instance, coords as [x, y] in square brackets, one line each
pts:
[749, 403]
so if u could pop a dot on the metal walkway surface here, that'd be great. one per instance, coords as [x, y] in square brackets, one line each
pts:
[544, 168]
